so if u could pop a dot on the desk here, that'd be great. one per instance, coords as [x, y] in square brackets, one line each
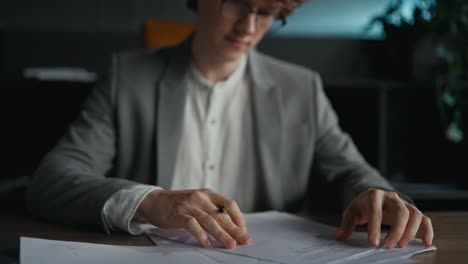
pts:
[451, 234]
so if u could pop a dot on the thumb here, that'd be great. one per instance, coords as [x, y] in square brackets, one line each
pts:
[348, 223]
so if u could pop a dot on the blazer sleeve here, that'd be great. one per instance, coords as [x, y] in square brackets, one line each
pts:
[70, 184]
[336, 156]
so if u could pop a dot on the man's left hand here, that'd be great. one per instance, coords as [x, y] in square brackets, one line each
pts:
[376, 207]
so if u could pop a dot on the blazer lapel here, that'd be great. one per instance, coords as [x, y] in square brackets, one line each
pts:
[171, 104]
[267, 118]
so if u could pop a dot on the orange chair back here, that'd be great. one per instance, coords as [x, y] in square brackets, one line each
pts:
[159, 33]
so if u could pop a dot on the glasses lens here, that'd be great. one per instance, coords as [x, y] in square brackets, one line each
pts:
[235, 9]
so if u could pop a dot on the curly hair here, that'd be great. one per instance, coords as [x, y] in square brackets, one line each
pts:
[287, 6]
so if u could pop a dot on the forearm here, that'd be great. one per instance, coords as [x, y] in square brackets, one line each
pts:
[62, 192]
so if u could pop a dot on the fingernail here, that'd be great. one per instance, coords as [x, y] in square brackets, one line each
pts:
[403, 242]
[244, 229]
[429, 242]
[375, 241]
[245, 239]
[230, 243]
[390, 244]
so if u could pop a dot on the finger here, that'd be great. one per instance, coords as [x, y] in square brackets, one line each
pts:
[212, 227]
[414, 221]
[348, 223]
[225, 219]
[233, 209]
[238, 234]
[193, 226]
[400, 213]
[236, 215]
[428, 231]
[375, 217]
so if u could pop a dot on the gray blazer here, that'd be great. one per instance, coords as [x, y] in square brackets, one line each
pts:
[129, 129]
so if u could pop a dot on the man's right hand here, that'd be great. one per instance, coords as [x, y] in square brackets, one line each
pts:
[198, 212]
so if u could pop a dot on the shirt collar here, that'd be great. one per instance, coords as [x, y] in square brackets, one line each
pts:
[231, 81]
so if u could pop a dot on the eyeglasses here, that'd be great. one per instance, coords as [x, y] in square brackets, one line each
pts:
[237, 10]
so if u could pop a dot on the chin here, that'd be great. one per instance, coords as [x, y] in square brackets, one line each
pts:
[233, 56]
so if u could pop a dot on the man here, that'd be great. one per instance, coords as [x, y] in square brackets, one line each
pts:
[178, 134]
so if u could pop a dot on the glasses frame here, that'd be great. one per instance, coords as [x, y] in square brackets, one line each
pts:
[250, 10]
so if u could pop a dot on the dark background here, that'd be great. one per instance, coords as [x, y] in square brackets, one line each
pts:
[383, 94]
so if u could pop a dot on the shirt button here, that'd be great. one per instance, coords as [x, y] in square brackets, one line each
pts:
[211, 167]
[213, 121]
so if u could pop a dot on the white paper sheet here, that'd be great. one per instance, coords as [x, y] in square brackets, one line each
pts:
[217, 256]
[42, 251]
[284, 238]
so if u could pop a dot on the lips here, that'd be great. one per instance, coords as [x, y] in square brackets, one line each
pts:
[237, 42]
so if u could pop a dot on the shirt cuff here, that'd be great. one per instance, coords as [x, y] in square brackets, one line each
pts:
[119, 210]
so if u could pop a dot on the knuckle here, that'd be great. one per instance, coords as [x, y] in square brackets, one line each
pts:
[349, 218]
[403, 211]
[412, 209]
[180, 207]
[416, 213]
[206, 191]
[207, 220]
[189, 222]
[393, 196]
[183, 204]
[427, 219]
[196, 195]
[231, 203]
[178, 211]
[211, 223]
[221, 220]
[347, 213]
[373, 193]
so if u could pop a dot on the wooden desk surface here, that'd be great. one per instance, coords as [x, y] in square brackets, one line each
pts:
[451, 234]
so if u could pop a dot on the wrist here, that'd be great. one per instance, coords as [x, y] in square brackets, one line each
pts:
[146, 206]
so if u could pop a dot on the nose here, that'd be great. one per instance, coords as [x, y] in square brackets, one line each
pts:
[247, 24]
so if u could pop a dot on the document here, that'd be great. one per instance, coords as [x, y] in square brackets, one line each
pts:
[43, 251]
[277, 238]
[284, 238]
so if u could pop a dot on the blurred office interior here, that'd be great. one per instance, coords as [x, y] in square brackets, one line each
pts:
[384, 80]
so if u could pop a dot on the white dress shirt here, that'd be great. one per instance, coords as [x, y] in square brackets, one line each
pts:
[216, 149]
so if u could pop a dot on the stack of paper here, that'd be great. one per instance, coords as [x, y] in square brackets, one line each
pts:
[284, 238]
[42, 251]
[276, 238]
